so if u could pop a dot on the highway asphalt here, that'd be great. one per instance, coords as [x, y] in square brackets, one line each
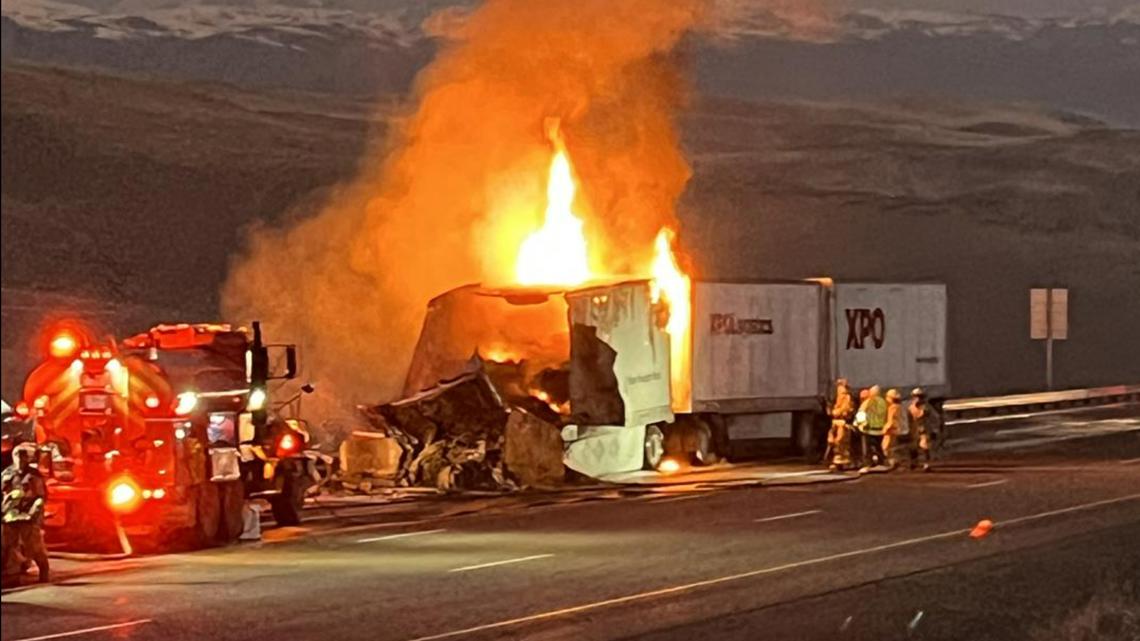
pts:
[879, 557]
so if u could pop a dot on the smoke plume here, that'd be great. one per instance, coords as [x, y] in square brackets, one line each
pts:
[449, 197]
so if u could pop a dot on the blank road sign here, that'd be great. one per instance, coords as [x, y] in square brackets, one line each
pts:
[1059, 314]
[1049, 314]
[1038, 314]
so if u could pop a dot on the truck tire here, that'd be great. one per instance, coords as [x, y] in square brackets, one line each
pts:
[703, 451]
[654, 446]
[207, 515]
[288, 504]
[231, 497]
[721, 444]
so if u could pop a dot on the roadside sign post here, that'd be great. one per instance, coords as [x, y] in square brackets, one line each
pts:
[1049, 321]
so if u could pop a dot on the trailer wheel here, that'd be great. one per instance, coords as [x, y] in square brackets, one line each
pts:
[232, 501]
[703, 451]
[654, 446]
[287, 505]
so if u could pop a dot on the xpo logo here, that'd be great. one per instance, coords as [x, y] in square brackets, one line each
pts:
[731, 325]
[863, 324]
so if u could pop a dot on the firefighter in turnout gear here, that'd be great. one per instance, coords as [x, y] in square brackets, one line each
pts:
[921, 429]
[893, 426]
[872, 418]
[839, 436]
[25, 494]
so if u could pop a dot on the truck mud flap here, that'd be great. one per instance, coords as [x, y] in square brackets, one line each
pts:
[601, 450]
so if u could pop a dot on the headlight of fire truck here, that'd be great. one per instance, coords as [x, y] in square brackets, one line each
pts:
[185, 403]
[256, 400]
[123, 495]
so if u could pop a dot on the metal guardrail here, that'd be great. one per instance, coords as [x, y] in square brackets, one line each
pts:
[1039, 401]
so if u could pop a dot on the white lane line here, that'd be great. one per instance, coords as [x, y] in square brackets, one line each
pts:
[521, 559]
[1130, 461]
[366, 526]
[402, 535]
[753, 573]
[1065, 510]
[671, 499]
[793, 515]
[975, 486]
[98, 628]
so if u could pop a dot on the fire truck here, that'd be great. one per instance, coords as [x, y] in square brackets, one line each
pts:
[162, 437]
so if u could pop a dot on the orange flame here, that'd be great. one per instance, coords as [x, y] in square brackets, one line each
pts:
[674, 287]
[556, 253]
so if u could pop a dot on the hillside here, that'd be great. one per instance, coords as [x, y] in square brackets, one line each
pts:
[1074, 58]
[137, 190]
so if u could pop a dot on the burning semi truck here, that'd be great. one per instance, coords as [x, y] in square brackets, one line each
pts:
[632, 369]
[755, 365]
[164, 435]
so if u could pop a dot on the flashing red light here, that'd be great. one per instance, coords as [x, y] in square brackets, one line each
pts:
[63, 345]
[151, 402]
[288, 444]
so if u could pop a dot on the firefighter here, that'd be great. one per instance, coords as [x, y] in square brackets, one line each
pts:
[893, 426]
[921, 421]
[872, 417]
[24, 496]
[839, 436]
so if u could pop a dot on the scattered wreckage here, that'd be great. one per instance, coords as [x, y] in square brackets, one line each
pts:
[499, 392]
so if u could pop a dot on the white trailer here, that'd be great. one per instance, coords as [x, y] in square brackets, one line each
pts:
[765, 357]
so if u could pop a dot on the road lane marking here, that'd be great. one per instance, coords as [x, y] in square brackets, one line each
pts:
[670, 499]
[98, 628]
[793, 515]
[988, 484]
[402, 535]
[521, 559]
[915, 621]
[366, 526]
[641, 596]
[1065, 510]
[1130, 461]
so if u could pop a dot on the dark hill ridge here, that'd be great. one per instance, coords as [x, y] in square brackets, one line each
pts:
[138, 191]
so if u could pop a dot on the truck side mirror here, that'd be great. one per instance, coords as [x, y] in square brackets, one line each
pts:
[258, 366]
[290, 361]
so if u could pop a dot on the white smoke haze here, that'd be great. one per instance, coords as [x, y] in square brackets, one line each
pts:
[448, 200]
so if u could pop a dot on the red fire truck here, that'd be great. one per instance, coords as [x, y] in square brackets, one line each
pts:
[163, 437]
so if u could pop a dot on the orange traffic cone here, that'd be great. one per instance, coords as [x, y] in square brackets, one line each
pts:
[981, 529]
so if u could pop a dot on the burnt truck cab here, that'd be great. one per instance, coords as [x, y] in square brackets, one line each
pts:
[597, 355]
[165, 434]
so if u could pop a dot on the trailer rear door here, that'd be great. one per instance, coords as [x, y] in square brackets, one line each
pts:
[892, 335]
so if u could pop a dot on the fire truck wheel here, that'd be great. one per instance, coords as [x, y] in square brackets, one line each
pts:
[232, 499]
[208, 514]
[288, 504]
